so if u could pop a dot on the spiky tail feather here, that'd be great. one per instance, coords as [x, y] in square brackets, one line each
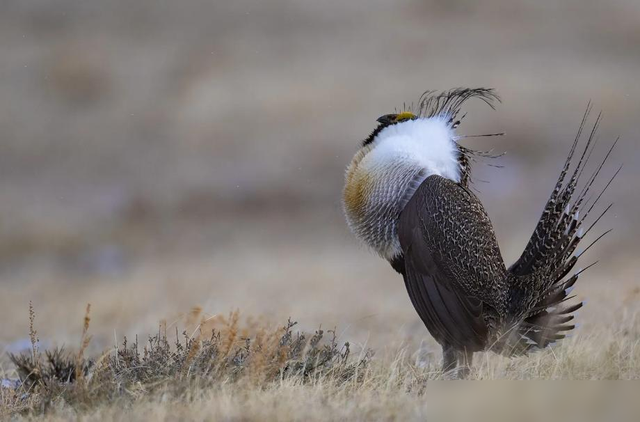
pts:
[537, 303]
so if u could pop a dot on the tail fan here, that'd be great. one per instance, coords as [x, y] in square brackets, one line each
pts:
[539, 292]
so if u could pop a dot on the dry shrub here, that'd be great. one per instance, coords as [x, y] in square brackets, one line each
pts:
[254, 356]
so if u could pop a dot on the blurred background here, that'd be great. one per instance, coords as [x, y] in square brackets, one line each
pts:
[160, 155]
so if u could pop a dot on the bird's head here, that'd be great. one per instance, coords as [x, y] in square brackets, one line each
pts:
[426, 134]
[390, 119]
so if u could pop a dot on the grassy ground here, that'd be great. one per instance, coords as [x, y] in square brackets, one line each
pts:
[237, 368]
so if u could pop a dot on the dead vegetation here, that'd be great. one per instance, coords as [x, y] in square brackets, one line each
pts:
[237, 368]
[221, 351]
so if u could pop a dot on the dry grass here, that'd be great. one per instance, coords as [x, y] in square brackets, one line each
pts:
[233, 368]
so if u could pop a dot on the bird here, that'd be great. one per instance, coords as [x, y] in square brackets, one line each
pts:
[409, 196]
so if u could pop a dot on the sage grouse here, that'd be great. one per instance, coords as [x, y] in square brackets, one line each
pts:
[407, 196]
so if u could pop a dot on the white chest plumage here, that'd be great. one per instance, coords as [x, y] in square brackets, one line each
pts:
[385, 174]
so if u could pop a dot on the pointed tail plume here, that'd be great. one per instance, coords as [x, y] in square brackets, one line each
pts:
[540, 280]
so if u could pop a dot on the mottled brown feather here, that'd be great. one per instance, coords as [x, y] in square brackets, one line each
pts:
[454, 272]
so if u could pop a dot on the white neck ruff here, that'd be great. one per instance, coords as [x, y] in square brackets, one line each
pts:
[385, 174]
[427, 143]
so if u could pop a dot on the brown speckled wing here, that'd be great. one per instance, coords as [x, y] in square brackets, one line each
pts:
[453, 269]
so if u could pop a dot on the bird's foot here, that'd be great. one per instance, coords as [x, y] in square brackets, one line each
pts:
[457, 373]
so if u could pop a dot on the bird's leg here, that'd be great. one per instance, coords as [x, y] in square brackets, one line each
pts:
[456, 364]
[449, 359]
[465, 358]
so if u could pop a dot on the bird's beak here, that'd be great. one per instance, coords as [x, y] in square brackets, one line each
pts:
[387, 119]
